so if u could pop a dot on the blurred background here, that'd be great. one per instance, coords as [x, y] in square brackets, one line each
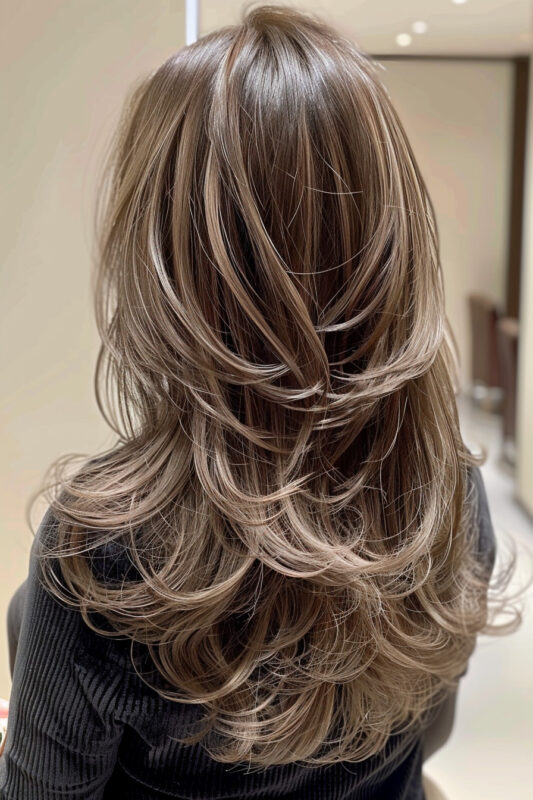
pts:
[459, 74]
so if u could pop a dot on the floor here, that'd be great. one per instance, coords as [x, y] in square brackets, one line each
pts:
[490, 753]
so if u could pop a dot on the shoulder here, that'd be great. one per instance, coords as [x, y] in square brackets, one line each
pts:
[54, 608]
[55, 604]
[108, 558]
[486, 539]
[111, 563]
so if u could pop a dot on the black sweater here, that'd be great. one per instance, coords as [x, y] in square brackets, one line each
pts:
[82, 724]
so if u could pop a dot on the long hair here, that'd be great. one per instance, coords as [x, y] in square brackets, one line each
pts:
[289, 484]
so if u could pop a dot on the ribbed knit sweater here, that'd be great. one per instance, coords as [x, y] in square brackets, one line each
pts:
[82, 724]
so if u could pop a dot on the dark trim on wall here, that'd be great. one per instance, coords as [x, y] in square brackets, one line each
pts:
[525, 509]
[516, 201]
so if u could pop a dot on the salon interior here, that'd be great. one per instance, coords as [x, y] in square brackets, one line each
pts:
[459, 73]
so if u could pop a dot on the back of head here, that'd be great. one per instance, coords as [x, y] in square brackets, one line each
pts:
[290, 480]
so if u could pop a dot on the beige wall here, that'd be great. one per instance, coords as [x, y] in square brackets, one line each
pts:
[66, 68]
[524, 474]
[458, 117]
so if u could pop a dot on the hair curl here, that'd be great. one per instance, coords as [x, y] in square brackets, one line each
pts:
[289, 483]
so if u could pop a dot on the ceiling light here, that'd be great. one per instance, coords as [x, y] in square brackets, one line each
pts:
[458, 2]
[404, 39]
[419, 26]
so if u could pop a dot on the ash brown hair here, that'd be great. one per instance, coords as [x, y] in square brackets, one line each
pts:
[289, 482]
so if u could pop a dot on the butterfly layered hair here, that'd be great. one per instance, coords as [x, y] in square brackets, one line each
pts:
[289, 479]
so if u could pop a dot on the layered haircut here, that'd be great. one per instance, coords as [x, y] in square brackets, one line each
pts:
[289, 485]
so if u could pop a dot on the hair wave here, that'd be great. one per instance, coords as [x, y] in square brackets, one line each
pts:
[289, 483]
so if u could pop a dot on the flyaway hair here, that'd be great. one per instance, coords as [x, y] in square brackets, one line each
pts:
[289, 489]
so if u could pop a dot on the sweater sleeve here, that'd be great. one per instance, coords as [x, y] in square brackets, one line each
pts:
[63, 730]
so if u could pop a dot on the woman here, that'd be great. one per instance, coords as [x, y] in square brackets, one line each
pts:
[272, 583]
